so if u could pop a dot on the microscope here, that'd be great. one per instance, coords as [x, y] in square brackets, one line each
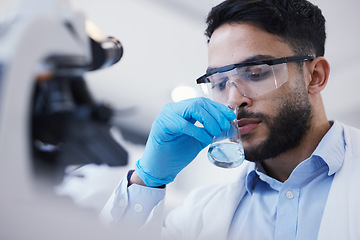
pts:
[48, 117]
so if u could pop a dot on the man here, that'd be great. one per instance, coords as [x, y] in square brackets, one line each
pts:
[299, 180]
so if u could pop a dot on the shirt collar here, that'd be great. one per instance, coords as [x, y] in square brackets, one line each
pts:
[251, 177]
[331, 150]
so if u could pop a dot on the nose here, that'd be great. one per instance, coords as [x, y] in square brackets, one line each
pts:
[236, 96]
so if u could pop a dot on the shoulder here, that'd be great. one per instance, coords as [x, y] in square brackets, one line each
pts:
[352, 139]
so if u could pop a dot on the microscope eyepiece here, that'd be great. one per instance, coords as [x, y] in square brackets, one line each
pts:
[105, 52]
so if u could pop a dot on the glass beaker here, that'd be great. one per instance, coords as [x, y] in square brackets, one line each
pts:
[227, 150]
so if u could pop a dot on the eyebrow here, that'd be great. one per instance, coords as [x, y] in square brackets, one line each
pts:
[254, 58]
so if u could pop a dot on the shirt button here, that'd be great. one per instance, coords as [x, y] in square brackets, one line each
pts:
[289, 194]
[138, 208]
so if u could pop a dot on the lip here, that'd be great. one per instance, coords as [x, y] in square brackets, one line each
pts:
[247, 125]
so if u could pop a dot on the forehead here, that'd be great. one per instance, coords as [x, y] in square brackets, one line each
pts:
[236, 42]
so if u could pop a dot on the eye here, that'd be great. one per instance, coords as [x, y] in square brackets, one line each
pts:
[257, 73]
[219, 84]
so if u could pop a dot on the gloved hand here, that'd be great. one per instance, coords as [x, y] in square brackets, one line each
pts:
[174, 140]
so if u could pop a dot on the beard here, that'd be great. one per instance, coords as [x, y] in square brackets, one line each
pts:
[286, 129]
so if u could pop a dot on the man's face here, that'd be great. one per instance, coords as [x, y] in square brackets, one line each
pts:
[272, 123]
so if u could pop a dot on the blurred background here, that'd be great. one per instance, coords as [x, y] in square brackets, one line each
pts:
[165, 50]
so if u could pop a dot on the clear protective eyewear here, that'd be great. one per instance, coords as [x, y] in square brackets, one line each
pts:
[252, 79]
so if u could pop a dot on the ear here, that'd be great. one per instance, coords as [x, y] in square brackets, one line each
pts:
[319, 73]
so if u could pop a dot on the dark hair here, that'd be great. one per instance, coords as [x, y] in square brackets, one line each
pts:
[296, 22]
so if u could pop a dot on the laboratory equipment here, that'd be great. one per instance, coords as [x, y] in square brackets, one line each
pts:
[49, 119]
[227, 151]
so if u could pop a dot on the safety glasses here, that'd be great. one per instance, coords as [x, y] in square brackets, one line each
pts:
[252, 79]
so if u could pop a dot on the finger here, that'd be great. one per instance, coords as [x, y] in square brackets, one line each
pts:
[221, 113]
[173, 125]
[227, 112]
[213, 123]
[191, 111]
[214, 116]
[198, 133]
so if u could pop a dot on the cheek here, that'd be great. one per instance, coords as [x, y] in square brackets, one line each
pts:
[273, 102]
[269, 104]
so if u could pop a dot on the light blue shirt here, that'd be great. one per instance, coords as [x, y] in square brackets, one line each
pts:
[291, 210]
[270, 209]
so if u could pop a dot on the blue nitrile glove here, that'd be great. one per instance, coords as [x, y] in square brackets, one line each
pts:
[174, 140]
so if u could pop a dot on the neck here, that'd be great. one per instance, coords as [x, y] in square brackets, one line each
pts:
[282, 166]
